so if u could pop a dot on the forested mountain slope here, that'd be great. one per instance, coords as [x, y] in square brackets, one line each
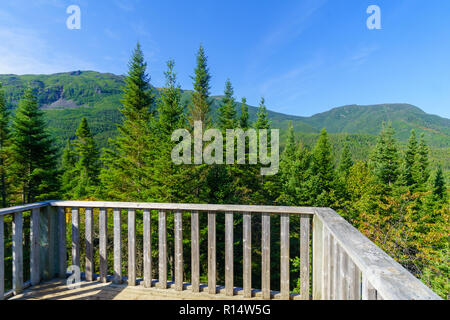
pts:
[67, 97]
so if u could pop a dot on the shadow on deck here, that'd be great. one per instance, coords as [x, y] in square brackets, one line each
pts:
[57, 289]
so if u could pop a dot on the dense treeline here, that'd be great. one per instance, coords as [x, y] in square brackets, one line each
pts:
[393, 198]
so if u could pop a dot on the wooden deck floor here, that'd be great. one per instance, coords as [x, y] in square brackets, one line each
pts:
[58, 290]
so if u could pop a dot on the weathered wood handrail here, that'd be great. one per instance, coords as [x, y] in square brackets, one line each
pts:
[345, 264]
[350, 266]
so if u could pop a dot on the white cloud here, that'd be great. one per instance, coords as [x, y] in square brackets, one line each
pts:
[25, 51]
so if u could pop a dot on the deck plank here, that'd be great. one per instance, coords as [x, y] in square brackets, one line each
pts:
[58, 290]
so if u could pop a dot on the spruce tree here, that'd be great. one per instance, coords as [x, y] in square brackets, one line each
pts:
[346, 161]
[126, 175]
[423, 162]
[262, 116]
[323, 171]
[170, 110]
[439, 189]
[4, 145]
[243, 120]
[34, 155]
[410, 162]
[227, 109]
[265, 187]
[171, 181]
[87, 166]
[289, 178]
[385, 158]
[199, 109]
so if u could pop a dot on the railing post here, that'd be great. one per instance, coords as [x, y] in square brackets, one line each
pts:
[131, 247]
[117, 247]
[162, 234]
[304, 257]
[195, 252]
[178, 224]
[317, 258]
[62, 242]
[343, 283]
[89, 228]
[147, 248]
[17, 247]
[75, 237]
[53, 252]
[35, 247]
[265, 248]
[102, 225]
[2, 259]
[247, 247]
[229, 286]
[336, 270]
[284, 256]
[354, 285]
[212, 252]
[327, 265]
[368, 291]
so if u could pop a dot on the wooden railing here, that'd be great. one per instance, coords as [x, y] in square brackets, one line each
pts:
[345, 264]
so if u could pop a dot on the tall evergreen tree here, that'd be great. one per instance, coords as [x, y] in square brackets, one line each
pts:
[4, 144]
[439, 189]
[385, 158]
[227, 109]
[88, 165]
[243, 120]
[323, 171]
[171, 181]
[422, 162]
[410, 164]
[295, 165]
[170, 110]
[126, 175]
[346, 161]
[262, 116]
[201, 104]
[34, 155]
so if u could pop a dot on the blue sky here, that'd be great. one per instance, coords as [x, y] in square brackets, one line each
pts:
[303, 56]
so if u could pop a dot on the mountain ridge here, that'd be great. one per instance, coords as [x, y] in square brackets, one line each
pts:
[97, 96]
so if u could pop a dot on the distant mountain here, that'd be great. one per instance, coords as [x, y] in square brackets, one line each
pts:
[66, 97]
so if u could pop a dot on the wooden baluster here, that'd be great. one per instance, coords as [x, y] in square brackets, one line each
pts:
[147, 249]
[336, 270]
[35, 247]
[17, 247]
[89, 228]
[2, 259]
[284, 256]
[75, 237]
[343, 282]
[317, 259]
[131, 247]
[162, 250]
[326, 265]
[329, 267]
[195, 252]
[229, 285]
[212, 252]
[265, 248]
[354, 285]
[62, 242]
[247, 247]
[304, 257]
[53, 262]
[102, 225]
[368, 291]
[178, 224]
[117, 246]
